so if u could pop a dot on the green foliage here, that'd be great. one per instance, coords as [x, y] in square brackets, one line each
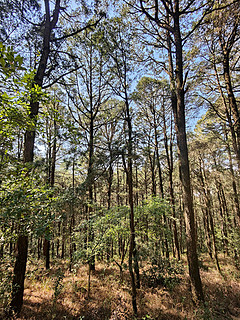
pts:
[9, 61]
[27, 205]
[5, 283]
[12, 115]
[106, 225]
[204, 313]
[16, 92]
[58, 284]
[165, 273]
[151, 225]
[147, 317]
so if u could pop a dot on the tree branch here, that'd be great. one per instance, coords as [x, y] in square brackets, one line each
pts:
[90, 25]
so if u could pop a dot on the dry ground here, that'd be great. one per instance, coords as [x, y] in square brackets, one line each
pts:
[59, 294]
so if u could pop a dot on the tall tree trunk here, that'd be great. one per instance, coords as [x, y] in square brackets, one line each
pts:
[51, 180]
[209, 214]
[118, 186]
[90, 191]
[19, 273]
[157, 154]
[235, 140]
[178, 105]
[169, 154]
[207, 229]
[234, 184]
[110, 180]
[146, 179]
[231, 98]
[63, 244]
[22, 241]
[72, 219]
[132, 246]
[223, 210]
[152, 166]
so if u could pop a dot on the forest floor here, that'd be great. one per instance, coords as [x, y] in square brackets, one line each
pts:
[59, 294]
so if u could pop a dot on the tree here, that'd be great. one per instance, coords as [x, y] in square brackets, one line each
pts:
[153, 97]
[220, 58]
[88, 101]
[29, 138]
[215, 182]
[119, 37]
[169, 17]
[43, 72]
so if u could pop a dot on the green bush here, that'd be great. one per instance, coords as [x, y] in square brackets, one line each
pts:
[5, 285]
[163, 273]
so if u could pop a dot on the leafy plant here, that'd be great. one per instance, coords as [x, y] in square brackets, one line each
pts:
[146, 317]
[5, 285]
[58, 284]
[164, 272]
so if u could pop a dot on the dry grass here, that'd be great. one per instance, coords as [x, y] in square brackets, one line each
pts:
[111, 300]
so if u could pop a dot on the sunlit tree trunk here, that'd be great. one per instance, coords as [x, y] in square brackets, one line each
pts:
[209, 210]
[178, 105]
[169, 154]
[72, 219]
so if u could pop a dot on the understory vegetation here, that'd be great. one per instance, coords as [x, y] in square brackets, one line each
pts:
[60, 294]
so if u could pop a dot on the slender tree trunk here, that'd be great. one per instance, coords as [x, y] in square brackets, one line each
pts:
[90, 189]
[118, 186]
[234, 184]
[58, 237]
[146, 180]
[207, 230]
[110, 176]
[223, 218]
[152, 165]
[231, 98]
[208, 205]
[72, 219]
[1, 250]
[53, 250]
[63, 244]
[235, 141]
[51, 180]
[157, 154]
[11, 242]
[132, 246]
[110, 180]
[178, 105]
[169, 154]
[136, 184]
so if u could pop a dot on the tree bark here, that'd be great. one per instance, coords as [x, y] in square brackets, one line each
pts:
[22, 241]
[234, 184]
[19, 273]
[72, 219]
[132, 247]
[208, 210]
[178, 105]
[231, 98]
[169, 154]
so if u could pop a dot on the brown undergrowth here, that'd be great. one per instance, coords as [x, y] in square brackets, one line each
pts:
[59, 294]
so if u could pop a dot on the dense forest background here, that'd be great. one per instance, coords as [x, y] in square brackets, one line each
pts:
[119, 159]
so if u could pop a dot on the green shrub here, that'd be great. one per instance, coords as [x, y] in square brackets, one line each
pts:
[163, 273]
